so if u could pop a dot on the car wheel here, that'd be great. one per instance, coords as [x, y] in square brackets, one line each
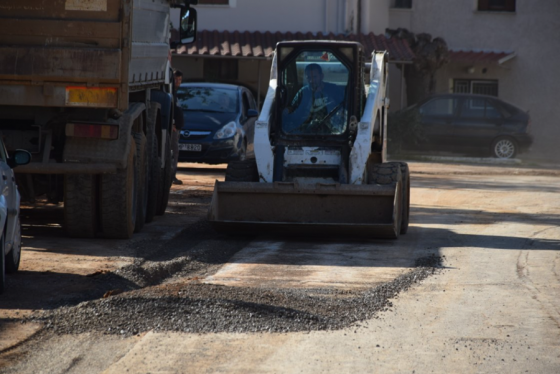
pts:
[504, 148]
[13, 258]
[2, 265]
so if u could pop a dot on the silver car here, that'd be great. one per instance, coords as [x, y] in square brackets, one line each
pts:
[10, 226]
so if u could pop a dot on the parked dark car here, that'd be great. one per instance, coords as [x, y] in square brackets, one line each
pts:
[10, 226]
[466, 123]
[219, 122]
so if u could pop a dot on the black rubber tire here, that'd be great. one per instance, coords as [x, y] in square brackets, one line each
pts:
[142, 166]
[242, 171]
[389, 173]
[405, 172]
[154, 173]
[118, 199]
[13, 258]
[504, 148]
[165, 179]
[384, 173]
[80, 205]
[2, 265]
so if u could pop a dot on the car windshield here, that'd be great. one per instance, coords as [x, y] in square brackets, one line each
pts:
[208, 99]
[315, 84]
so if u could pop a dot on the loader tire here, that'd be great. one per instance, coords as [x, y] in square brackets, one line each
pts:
[80, 205]
[242, 171]
[384, 173]
[389, 173]
[119, 198]
[142, 167]
[154, 174]
[405, 172]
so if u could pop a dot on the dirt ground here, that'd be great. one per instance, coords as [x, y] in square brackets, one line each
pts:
[492, 306]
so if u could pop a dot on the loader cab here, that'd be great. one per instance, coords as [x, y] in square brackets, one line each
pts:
[319, 93]
[316, 91]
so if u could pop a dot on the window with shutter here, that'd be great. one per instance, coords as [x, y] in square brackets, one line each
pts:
[496, 5]
[213, 2]
[403, 4]
[482, 87]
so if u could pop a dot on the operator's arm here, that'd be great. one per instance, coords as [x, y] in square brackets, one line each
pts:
[294, 115]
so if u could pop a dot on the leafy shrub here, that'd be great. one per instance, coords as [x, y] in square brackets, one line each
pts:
[404, 128]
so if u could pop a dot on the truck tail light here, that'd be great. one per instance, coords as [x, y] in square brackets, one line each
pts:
[97, 97]
[92, 130]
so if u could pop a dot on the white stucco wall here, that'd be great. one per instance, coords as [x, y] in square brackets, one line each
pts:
[273, 15]
[530, 80]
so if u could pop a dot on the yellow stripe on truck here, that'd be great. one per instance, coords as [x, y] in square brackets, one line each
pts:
[98, 97]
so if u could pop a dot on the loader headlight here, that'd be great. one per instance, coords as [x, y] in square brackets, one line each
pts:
[227, 131]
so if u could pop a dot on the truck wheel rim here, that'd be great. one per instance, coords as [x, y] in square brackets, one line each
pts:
[504, 149]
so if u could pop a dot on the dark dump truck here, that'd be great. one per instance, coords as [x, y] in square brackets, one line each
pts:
[86, 87]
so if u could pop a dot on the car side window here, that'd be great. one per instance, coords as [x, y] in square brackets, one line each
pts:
[479, 108]
[3, 152]
[492, 111]
[252, 102]
[473, 108]
[444, 106]
[245, 104]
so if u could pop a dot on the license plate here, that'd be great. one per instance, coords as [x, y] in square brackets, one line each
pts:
[190, 147]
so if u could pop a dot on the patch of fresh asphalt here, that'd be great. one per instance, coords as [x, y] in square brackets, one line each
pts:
[162, 291]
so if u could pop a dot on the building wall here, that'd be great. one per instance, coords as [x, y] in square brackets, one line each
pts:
[272, 15]
[532, 32]
[530, 80]
[376, 16]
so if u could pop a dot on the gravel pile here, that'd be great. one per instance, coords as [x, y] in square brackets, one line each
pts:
[194, 307]
[162, 291]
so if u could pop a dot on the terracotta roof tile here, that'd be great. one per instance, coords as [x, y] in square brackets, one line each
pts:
[479, 57]
[261, 45]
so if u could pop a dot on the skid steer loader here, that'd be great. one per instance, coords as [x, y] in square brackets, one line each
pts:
[320, 151]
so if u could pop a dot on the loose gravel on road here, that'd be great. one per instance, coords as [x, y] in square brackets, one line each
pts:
[163, 291]
[188, 305]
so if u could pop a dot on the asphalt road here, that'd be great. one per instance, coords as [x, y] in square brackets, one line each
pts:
[492, 305]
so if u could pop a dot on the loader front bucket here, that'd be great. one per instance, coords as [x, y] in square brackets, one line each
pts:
[371, 211]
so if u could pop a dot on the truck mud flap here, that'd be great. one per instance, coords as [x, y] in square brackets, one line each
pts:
[366, 211]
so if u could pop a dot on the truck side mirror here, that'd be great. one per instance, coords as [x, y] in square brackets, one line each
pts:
[19, 157]
[187, 30]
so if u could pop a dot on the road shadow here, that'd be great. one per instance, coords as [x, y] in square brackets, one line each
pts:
[31, 290]
[449, 216]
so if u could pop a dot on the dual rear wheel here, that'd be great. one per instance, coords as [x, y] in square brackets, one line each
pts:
[117, 205]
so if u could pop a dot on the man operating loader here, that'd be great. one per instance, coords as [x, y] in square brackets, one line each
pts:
[315, 105]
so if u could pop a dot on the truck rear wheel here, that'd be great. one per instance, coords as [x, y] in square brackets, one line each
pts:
[242, 171]
[165, 179]
[142, 166]
[154, 173]
[80, 205]
[405, 197]
[118, 199]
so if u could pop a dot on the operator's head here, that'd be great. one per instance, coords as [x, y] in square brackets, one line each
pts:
[178, 78]
[314, 75]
